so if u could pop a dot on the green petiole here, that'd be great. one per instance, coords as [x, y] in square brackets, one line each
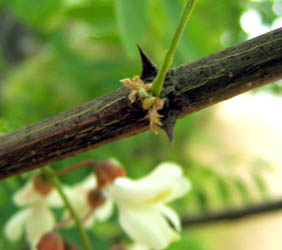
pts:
[158, 82]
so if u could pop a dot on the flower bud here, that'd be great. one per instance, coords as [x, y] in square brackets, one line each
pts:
[42, 185]
[50, 241]
[107, 172]
[96, 198]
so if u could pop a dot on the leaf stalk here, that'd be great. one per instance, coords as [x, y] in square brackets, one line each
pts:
[159, 79]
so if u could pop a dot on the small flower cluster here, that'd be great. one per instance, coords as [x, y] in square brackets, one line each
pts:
[141, 205]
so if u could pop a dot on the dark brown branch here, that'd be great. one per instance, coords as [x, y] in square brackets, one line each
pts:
[233, 214]
[188, 88]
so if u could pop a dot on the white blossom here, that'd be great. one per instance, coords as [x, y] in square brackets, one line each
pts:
[137, 246]
[78, 196]
[35, 219]
[141, 204]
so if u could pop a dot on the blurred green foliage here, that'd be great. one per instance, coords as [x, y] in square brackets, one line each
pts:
[77, 50]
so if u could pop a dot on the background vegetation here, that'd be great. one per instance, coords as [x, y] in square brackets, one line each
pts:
[57, 54]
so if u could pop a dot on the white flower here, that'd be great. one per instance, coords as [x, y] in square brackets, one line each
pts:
[36, 219]
[137, 246]
[142, 213]
[78, 196]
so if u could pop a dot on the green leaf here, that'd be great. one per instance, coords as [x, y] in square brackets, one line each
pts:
[189, 241]
[224, 191]
[261, 185]
[3, 196]
[132, 23]
[261, 164]
[93, 12]
[40, 14]
[242, 189]
[201, 199]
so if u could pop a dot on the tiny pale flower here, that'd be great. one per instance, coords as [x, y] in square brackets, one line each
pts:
[35, 219]
[80, 197]
[141, 204]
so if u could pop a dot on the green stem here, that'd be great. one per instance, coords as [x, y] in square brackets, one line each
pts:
[56, 183]
[159, 80]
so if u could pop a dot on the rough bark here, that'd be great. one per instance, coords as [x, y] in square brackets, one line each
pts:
[188, 88]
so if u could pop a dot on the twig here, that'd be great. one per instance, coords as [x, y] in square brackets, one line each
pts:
[187, 89]
[232, 214]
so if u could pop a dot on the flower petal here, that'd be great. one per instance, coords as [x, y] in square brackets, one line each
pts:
[41, 222]
[78, 200]
[147, 227]
[181, 187]
[26, 195]
[105, 211]
[136, 246]
[78, 194]
[54, 199]
[115, 161]
[14, 227]
[89, 183]
[172, 216]
[165, 183]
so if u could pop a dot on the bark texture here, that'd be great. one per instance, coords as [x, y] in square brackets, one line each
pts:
[188, 88]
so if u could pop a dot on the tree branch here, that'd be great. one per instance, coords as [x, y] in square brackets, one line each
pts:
[188, 88]
[233, 214]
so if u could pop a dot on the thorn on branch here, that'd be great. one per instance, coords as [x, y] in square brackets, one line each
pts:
[169, 124]
[149, 69]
